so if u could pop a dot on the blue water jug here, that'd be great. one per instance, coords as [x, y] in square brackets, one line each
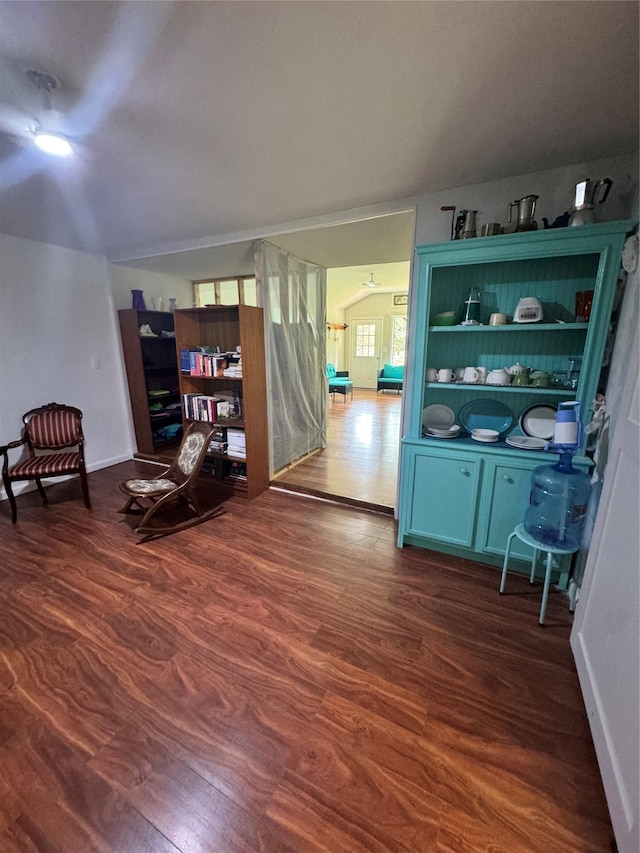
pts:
[557, 509]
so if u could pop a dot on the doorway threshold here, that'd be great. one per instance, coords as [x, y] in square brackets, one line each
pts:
[326, 496]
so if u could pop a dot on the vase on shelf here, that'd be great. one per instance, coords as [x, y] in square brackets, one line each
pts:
[138, 300]
[173, 303]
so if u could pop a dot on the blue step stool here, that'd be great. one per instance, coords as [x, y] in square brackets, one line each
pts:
[522, 534]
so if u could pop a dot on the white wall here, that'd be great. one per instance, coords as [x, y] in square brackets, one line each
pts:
[59, 341]
[155, 286]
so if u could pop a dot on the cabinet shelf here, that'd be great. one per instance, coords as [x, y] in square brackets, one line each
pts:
[509, 327]
[502, 389]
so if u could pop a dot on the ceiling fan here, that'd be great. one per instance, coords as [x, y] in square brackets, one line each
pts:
[27, 116]
[371, 283]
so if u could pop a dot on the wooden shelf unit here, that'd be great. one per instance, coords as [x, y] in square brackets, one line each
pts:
[151, 365]
[227, 327]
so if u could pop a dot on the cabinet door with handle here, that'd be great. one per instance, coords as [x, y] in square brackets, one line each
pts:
[444, 492]
[505, 500]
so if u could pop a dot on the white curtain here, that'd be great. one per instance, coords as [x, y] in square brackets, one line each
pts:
[293, 295]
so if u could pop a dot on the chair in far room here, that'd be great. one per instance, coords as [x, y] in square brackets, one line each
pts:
[53, 438]
[339, 382]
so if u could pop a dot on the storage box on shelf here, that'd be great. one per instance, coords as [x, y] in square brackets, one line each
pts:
[459, 495]
[152, 377]
[223, 380]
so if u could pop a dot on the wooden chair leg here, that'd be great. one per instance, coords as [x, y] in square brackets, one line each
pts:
[43, 494]
[12, 500]
[85, 488]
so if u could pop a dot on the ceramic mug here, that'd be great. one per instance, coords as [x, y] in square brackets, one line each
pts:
[432, 374]
[445, 374]
[470, 375]
[483, 372]
[459, 372]
[498, 319]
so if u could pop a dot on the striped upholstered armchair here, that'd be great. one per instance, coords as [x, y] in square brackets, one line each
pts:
[53, 438]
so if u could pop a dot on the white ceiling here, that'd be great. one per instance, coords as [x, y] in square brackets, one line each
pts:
[197, 120]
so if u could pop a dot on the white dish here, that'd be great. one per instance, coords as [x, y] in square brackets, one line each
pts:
[438, 416]
[484, 440]
[538, 421]
[429, 434]
[445, 433]
[486, 434]
[526, 442]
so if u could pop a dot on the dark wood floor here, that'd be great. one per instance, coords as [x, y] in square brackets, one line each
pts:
[359, 465]
[280, 678]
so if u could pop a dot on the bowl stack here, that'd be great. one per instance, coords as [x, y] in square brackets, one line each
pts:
[488, 436]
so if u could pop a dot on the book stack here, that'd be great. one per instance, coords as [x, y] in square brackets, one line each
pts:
[233, 371]
[218, 443]
[238, 472]
[236, 443]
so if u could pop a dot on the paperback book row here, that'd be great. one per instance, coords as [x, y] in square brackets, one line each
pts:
[204, 407]
[203, 362]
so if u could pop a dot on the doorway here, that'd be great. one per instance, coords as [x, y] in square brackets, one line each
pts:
[359, 465]
[364, 350]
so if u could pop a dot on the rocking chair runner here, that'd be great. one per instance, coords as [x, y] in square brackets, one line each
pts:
[178, 482]
[52, 428]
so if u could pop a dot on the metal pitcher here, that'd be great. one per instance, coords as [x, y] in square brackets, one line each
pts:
[526, 210]
[588, 194]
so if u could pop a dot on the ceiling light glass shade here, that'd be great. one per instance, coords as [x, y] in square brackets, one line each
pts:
[53, 143]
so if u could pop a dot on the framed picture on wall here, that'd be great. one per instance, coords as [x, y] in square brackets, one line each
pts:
[401, 299]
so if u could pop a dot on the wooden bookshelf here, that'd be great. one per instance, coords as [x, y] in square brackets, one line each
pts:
[151, 367]
[227, 327]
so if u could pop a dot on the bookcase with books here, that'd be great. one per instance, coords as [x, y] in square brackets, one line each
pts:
[220, 351]
[148, 345]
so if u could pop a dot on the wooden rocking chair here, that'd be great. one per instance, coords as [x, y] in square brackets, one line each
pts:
[177, 483]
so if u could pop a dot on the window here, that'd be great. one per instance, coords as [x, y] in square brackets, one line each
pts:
[225, 291]
[365, 340]
[398, 339]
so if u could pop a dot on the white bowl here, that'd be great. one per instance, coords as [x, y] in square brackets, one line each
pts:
[485, 434]
[453, 430]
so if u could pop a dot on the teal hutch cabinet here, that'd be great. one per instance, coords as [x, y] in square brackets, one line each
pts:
[458, 495]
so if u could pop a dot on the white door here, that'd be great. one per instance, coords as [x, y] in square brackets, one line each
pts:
[365, 338]
[605, 637]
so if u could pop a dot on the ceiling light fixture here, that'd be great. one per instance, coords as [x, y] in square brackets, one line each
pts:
[371, 283]
[52, 143]
[46, 136]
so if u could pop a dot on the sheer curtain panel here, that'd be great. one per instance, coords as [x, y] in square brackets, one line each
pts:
[293, 295]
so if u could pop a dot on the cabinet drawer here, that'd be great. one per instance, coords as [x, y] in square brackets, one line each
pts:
[505, 500]
[444, 497]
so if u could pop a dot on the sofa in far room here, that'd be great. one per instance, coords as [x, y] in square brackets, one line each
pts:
[390, 377]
